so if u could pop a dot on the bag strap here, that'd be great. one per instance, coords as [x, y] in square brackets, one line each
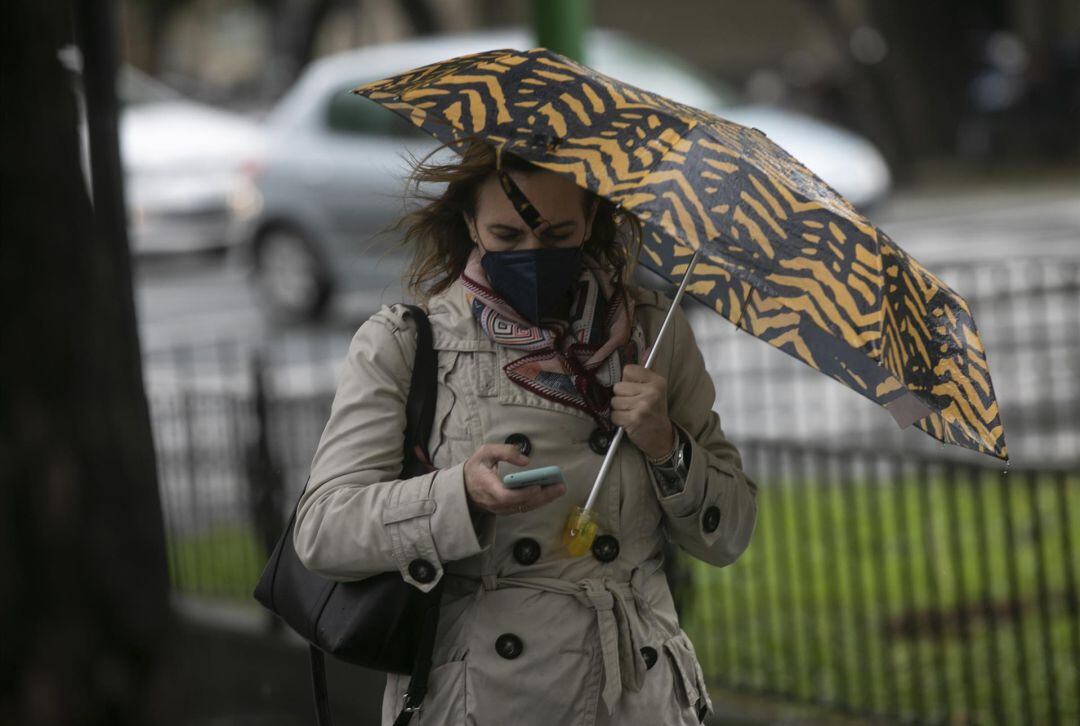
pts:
[419, 417]
[418, 682]
[318, 686]
[420, 406]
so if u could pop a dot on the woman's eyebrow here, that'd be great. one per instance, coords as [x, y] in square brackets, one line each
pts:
[559, 225]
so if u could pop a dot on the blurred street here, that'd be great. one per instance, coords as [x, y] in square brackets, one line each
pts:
[184, 300]
[196, 301]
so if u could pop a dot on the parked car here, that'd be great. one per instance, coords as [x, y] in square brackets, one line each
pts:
[332, 170]
[181, 161]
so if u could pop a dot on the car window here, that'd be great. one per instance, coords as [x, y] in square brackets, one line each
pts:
[349, 113]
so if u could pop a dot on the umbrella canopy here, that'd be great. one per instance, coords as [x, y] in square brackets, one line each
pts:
[785, 257]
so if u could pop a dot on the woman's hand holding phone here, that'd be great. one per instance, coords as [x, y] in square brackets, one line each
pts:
[486, 492]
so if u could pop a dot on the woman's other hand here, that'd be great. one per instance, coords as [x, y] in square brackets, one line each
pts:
[485, 490]
[639, 405]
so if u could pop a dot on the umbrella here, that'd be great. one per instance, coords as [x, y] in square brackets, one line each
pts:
[782, 255]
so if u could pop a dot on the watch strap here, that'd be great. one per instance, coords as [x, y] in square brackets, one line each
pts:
[672, 471]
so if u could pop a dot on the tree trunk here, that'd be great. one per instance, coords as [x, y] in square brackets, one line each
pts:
[85, 590]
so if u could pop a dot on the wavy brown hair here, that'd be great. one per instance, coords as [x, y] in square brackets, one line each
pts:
[440, 241]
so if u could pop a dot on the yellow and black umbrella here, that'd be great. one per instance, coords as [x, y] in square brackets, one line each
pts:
[782, 255]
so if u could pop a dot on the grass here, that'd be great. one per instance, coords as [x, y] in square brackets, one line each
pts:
[902, 599]
[225, 561]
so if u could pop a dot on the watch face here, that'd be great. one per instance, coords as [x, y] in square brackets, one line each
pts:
[684, 454]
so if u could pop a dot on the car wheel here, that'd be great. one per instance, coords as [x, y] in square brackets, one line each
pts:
[290, 276]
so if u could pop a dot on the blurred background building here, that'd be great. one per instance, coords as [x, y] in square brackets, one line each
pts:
[981, 78]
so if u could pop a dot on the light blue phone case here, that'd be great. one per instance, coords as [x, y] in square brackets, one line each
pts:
[544, 476]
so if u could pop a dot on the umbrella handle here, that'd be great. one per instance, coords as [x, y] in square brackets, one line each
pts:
[609, 457]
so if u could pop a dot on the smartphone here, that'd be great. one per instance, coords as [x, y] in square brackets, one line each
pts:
[544, 476]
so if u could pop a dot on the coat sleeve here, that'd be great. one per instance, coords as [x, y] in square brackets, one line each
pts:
[714, 516]
[356, 518]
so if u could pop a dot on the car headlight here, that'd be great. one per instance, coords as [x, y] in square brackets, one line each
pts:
[245, 201]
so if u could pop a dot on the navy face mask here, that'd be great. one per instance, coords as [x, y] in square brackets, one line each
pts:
[535, 282]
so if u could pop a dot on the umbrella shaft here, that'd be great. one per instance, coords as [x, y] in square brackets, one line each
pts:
[609, 457]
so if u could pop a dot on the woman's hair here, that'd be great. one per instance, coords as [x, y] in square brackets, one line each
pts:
[440, 240]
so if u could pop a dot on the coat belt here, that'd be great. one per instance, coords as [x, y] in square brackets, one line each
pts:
[624, 666]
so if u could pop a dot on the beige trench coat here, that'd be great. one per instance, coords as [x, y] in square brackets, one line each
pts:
[558, 640]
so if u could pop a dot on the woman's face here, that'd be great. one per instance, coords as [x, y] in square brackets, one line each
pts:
[558, 200]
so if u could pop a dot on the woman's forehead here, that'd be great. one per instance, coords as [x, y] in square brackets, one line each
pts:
[555, 197]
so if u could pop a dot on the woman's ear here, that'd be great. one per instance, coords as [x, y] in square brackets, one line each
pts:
[469, 226]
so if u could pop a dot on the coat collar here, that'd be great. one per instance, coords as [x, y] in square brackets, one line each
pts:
[455, 328]
[452, 323]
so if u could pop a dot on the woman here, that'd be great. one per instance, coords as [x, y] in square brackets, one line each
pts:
[540, 338]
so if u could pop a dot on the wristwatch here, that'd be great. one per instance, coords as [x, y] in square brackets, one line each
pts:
[671, 471]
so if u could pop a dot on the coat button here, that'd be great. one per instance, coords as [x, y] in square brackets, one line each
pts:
[526, 551]
[599, 441]
[422, 570]
[509, 646]
[521, 441]
[711, 520]
[649, 654]
[605, 548]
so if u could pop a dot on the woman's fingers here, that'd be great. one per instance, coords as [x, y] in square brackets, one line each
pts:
[627, 388]
[492, 454]
[656, 386]
[629, 419]
[486, 490]
[634, 373]
[626, 403]
[548, 494]
[501, 500]
[639, 405]
[518, 501]
[532, 496]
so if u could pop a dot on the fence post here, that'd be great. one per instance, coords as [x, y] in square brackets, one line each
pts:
[265, 486]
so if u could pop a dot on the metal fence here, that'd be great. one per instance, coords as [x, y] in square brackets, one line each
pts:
[900, 586]
[888, 575]
[1028, 316]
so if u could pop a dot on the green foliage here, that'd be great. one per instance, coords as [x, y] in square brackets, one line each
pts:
[915, 597]
[225, 561]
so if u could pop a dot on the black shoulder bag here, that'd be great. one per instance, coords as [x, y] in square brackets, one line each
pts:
[380, 622]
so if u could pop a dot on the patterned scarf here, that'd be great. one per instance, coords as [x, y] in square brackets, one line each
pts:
[576, 361]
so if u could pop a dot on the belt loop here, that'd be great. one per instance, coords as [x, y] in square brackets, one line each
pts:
[600, 597]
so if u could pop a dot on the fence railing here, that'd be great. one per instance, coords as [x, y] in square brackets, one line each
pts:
[900, 586]
[1028, 315]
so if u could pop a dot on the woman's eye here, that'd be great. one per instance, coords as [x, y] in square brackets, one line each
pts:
[516, 235]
